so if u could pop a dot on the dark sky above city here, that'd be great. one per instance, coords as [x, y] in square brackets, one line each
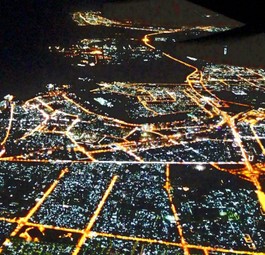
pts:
[29, 27]
[27, 24]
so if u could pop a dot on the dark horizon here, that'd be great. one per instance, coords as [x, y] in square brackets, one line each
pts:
[28, 30]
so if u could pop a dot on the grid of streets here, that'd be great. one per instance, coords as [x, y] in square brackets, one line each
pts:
[141, 168]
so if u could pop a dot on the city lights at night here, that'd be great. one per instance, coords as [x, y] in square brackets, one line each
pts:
[148, 148]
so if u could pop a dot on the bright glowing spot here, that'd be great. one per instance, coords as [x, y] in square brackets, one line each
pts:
[7, 243]
[186, 188]
[200, 167]
[92, 234]
[95, 52]
[145, 40]
[192, 58]
[9, 97]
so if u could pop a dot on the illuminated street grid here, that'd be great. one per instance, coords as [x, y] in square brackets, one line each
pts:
[136, 205]
[181, 171]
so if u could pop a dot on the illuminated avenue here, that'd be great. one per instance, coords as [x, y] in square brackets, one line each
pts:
[138, 167]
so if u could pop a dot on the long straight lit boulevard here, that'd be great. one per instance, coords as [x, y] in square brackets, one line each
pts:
[132, 166]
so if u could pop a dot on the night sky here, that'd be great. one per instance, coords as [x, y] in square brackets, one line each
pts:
[29, 27]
